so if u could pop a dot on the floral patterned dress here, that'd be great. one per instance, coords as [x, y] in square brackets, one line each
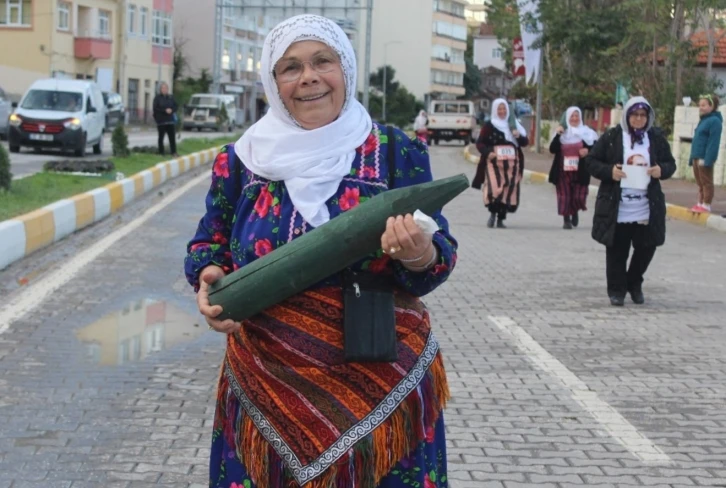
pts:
[248, 216]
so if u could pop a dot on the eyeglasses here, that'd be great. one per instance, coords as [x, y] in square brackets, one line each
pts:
[287, 71]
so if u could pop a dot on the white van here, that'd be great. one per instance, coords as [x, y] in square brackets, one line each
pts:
[55, 113]
[203, 109]
[452, 120]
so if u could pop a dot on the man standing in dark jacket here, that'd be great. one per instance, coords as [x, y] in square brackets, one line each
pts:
[625, 214]
[164, 114]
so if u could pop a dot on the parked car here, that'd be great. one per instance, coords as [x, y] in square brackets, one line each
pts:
[54, 113]
[451, 120]
[115, 110]
[202, 110]
[4, 113]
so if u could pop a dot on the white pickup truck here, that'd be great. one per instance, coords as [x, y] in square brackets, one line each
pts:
[451, 120]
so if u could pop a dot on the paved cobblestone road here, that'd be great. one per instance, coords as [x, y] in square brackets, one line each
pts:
[110, 381]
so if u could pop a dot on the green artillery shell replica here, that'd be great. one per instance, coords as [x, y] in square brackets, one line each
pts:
[326, 250]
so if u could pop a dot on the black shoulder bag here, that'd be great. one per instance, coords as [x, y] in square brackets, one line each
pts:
[369, 323]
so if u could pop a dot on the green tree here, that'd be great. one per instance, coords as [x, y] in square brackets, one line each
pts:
[590, 45]
[376, 80]
[472, 76]
[6, 177]
[401, 105]
[120, 142]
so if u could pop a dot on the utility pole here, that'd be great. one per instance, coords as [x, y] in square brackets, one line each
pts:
[538, 145]
[217, 61]
[367, 77]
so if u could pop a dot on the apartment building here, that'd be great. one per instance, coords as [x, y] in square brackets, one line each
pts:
[124, 45]
[476, 12]
[425, 41]
[244, 27]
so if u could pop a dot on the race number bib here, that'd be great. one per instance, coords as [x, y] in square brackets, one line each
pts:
[505, 153]
[571, 163]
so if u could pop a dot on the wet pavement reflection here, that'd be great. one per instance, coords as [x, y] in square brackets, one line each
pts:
[140, 329]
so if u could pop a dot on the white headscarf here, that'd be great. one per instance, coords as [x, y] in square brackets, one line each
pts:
[420, 121]
[312, 163]
[503, 124]
[580, 133]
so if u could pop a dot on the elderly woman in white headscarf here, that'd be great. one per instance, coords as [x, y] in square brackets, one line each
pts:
[292, 408]
[420, 126]
[502, 163]
[569, 173]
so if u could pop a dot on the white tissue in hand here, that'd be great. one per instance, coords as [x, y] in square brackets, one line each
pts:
[425, 223]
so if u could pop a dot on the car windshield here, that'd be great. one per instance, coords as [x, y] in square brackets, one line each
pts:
[199, 101]
[53, 100]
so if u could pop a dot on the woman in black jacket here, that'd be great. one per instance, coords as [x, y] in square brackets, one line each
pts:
[568, 173]
[630, 209]
[164, 109]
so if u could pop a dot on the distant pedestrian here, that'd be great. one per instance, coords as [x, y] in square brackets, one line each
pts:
[626, 215]
[704, 150]
[568, 172]
[165, 108]
[502, 163]
[420, 126]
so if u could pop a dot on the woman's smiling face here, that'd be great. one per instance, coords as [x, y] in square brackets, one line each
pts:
[310, 80]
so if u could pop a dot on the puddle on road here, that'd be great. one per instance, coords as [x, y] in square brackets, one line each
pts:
[142, 328]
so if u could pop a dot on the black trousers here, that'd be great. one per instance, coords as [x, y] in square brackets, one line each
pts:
[622, 278]
[171, 131]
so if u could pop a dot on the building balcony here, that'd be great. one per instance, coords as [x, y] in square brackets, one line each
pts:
[92, 48]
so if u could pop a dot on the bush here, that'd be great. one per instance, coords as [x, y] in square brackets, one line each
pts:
[145, 150]
[120, 142]
[6, 177]
[80, 166]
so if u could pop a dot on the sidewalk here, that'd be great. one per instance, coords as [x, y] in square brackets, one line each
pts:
[681, 194]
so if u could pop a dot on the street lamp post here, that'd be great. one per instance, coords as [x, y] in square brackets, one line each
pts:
[385, 76]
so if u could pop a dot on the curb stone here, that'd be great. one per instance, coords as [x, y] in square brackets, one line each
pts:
[25, 234]
[675, 212]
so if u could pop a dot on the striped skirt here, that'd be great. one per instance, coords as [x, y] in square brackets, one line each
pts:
[571, 195]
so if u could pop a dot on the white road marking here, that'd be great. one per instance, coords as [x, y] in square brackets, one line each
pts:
[613, 423]
[28, 298]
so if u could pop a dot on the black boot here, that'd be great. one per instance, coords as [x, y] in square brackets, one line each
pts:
[575, 220]
[637, 295]
[568, 224]
[490, 222]
[500, 223]
[617, 300]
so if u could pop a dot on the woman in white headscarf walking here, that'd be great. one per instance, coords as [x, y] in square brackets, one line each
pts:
[568, 172]
[292, 410]
[502, 163]
[420, 126]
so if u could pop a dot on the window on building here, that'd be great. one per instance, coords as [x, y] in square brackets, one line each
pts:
[64, 16]
[497, 53]
[143, 21]
[131, 18]
[161, 31]
[229, 12]
[447, 78]
[15, 13]
[448, 29]
[104, 23]
[449, 7]
[227, 55]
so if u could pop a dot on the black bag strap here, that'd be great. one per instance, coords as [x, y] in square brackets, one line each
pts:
[391, 155]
